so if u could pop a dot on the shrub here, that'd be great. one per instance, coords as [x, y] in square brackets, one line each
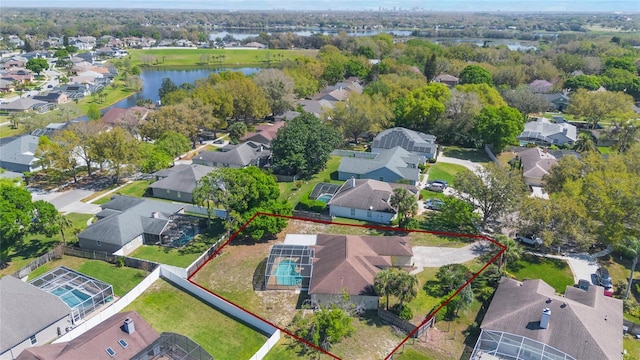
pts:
[120, 261]
[403, 312]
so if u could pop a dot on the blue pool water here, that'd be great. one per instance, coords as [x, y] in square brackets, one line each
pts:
[286, 273]
[325, 198]
[73, 298]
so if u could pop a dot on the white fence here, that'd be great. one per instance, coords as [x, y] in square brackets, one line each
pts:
[113, 309]
[271, 342]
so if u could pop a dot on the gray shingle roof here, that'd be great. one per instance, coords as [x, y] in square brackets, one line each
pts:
[583, 324]
[121, 228]
[367, 194]
[397, 160]
[536, 162]
[25, 310]
[409, 140]
[20, 151]
[241, 155]
[543, 130]
[183, 179]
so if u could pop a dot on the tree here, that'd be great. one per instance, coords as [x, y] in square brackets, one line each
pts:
[513, 251]
[455, 215]
[153, 158]
[626, 132]
[93, 112]
[589, 82]
[166, 87]
[430, 67]
[422, 108]
[451, 277]
[80, 139]
[173, 144]
[498, 126]
[360, 114]
[597, 106]
[585, 143]
[492, 190]
[37, 65]
[63, 223]
[278, 89]
[405, 204]
[325, 327]
[133, 82]
[383, 283]
[119, 149]
[406, 288]
[629, 247]
[236, 131]
[475, 74]
[303, 146]
[526, 101]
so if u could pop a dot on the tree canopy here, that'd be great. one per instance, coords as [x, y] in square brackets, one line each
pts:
[498, 126]
[37, 65]
[475, 74]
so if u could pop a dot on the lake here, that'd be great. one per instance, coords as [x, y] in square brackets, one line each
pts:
[241, 35]
[152, 79]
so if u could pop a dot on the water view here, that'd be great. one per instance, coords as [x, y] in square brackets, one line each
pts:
[240, 35]
[152, 79]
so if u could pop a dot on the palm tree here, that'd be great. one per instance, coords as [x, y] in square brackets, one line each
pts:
[404, 203]
[585, 143]
[513, 251]
[383, 284]
[406, 287]
[630, 247]
[64, 223]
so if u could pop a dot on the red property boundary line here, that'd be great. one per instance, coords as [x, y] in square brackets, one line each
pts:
[386, 228]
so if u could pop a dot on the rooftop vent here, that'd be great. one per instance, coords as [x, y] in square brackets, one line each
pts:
[129, 327]
[546, 316]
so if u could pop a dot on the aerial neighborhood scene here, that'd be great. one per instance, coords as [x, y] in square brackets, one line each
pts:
[316, 180]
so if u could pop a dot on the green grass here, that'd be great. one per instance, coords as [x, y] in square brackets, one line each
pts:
[632, 346]
[289, 192]
[7, 131]
[471, 154]
[605, 150]
[122, 279]
[190, 57]
[444, 171]
[167, 308]
[112, 96]
[554, 272]
[37, 245]
[136, 188]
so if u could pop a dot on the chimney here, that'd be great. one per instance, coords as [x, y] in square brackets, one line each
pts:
[352, 183]
[544, 320]
[154, 214]
[129, 328]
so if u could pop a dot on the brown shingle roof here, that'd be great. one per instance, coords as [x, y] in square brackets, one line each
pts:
[583, 324]
[93, 344]
[351, 262]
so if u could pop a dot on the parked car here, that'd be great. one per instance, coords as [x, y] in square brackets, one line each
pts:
[435, 187]
[529, 240]
[583, 284]
[444, 183]
[433, 204]
[604, 279]
[608, 291]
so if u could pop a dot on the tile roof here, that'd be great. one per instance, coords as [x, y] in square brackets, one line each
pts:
[93, 344]
[367, 195]
[583, 324]
[183, 178]
[409, 140]
[397, 160]
[351, 262]
[25, 310]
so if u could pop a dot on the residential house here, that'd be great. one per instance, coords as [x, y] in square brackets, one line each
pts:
[133, 116]
[447, 79]
[20, 76]
[75, 91]
[333, 96]
[18, 155]
[350, 263]
[22, 104]
[87, 56]
[255, 45]
[414, 142]
[12, 64]
[558, 101]
[177, 183]
[264, 134]
[541, 86]
[127, 222]
[7, 86]
[527, 320]
[83, 42]
[236, 156]
[547, 133]
[29, 317]
[54, 97]
[536, 163]
[391, 165]
[367, 200]
[287, 115]
[111, 52]
[315, 107]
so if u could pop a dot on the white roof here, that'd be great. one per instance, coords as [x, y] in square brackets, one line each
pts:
[300, 239]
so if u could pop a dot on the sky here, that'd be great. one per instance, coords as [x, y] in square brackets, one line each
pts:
[432, 5]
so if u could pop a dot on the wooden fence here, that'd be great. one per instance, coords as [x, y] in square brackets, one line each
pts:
[56, 253]
[110, 258]
[311, 215]
[404, 325]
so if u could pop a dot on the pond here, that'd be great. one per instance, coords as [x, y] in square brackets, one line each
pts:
[152, 79]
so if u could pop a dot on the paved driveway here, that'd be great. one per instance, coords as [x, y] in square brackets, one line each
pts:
[583, 266]
[69, 201]
[466, 163]
[429, 256]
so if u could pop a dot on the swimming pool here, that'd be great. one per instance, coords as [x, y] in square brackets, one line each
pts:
[324, 198]
[286, 273]
[72, 297]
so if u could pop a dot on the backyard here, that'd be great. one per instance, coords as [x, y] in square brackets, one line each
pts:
[122, 279]
[33, 246]
[290, 192]
[168, 308]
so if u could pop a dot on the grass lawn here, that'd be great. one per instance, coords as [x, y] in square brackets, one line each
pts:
[632, 346]
[604, 150]
[553, 271]
[34, 246]
[122, 279]
[505, 156]
[112, 96]
[471, 154]
[289, 192]
[137, 189]
[6, 130]
[167, 308]
[198, 57]
[444, 171]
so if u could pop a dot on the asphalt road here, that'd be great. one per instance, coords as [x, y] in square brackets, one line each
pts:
[69, 201]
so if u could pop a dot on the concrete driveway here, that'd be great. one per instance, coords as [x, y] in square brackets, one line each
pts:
[69, 201]
[583, 265]
[430, 256]
[466, 163]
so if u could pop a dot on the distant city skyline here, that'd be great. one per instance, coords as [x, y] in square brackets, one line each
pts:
[565, 6]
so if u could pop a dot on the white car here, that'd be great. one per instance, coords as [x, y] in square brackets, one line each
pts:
[529, 240]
